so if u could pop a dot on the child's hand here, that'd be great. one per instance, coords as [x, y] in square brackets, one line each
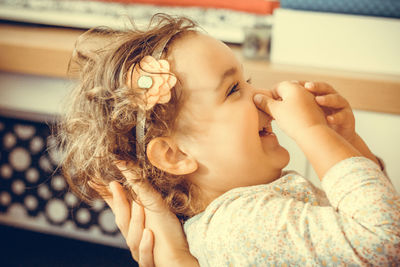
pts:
[298, 115]
[339, 116]
[293, 108]
[338, 112]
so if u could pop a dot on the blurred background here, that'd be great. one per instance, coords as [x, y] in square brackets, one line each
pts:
[353, 45]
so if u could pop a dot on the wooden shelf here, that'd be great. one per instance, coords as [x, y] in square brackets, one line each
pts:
[46, 51]
[36, 50]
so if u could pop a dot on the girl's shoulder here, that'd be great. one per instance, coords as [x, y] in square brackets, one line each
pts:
[290, 185]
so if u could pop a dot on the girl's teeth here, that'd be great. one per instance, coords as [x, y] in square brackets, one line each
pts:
[264, 132]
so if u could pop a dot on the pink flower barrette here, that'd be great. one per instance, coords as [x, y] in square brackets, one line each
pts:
[155, 77]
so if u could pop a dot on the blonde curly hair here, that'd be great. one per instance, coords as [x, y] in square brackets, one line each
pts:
[98, 126]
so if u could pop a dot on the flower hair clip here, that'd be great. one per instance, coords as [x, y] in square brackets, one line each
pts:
[154, 76]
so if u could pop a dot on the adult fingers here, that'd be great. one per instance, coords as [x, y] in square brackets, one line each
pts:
[108, 199]
[332, 101]
[136, 228]
[146, 258]
[146, 194]
[319, 88]
[121, 207]
[149, 197]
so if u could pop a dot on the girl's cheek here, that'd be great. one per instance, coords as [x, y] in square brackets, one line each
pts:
[236, 96]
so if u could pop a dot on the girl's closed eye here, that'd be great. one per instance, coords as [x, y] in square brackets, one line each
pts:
[233, 89]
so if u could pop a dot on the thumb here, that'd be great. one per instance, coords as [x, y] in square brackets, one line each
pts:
[146, 194]
[264, 102]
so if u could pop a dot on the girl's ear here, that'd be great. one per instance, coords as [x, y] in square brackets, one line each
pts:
[164, 154]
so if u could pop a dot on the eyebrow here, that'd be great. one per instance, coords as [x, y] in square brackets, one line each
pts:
[227, 73]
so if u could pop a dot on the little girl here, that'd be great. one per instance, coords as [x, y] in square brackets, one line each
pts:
[174, 105]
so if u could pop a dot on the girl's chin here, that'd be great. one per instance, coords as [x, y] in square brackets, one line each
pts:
[277, 155]
[286, 157]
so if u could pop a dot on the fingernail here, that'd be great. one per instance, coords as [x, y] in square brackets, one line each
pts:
[133, 208]
[319, 98]
[121, 164]
[258, 98]
[111, 185]
[146, 234]
[309, 85]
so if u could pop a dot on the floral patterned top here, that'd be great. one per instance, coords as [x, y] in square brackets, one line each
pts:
[290, 222]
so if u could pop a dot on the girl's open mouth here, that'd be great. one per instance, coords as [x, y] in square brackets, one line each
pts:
[265, 132]
[265, 127]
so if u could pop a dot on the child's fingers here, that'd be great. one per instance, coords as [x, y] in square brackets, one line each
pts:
[303, 83]
[284, 89]
[332, 101]
[319, 88]
[121, 208]
[146, 258]
[136, 227]
[263, 102]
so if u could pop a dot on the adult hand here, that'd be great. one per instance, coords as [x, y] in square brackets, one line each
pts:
[130, 219]
[293, 108]
[153, 234]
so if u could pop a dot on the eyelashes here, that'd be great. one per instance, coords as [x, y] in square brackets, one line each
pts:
[235, 88]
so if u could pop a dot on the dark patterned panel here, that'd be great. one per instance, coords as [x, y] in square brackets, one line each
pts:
[33, 193]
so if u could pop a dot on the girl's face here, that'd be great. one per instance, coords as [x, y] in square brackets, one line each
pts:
[220, 119]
